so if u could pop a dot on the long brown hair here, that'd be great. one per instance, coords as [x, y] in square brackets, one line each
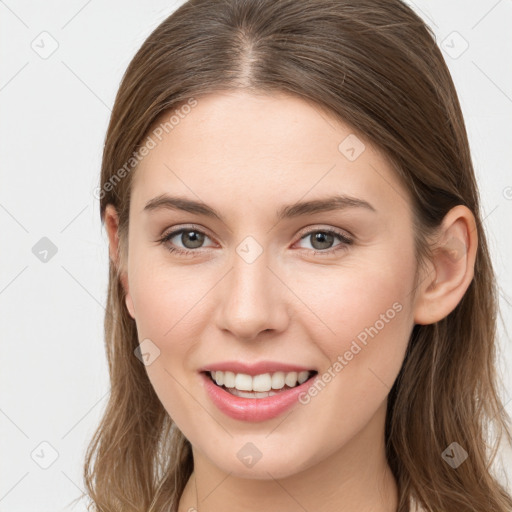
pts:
[376, 66]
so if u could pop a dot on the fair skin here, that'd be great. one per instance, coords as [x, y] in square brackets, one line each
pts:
[247, 156]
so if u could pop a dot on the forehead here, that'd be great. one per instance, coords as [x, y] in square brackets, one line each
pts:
[235, 148]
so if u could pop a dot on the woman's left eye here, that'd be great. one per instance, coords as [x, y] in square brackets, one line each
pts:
[192, 238]
[322, 239]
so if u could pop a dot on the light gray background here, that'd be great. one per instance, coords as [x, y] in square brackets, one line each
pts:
[54, 114]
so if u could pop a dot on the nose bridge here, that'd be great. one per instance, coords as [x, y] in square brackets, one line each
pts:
[252, 298]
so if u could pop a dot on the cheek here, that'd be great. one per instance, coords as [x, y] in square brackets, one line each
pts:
[377, 303]
[167, 304]
[368, 311]
[372, 323]
[362, 294]
[380, 321]
[166, 299]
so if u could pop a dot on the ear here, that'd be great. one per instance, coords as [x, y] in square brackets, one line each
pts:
[452, 268]
[112, 226]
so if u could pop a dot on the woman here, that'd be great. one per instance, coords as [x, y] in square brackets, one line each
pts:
[301, 308]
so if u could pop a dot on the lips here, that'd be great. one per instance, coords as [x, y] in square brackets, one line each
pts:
[254, 409]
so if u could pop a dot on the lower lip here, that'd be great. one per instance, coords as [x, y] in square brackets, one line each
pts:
[254, 409]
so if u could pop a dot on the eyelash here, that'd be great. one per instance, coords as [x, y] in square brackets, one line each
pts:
[345, 241]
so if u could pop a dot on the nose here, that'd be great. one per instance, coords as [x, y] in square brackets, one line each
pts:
[252, 300]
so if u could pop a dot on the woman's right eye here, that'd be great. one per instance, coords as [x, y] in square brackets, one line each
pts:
[191, 238]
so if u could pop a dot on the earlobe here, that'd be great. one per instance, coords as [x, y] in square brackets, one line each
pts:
[129, 304]
[452, 267]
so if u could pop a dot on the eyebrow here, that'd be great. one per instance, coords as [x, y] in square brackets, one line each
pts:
[327, 204]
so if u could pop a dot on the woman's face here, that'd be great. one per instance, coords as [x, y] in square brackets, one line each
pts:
[274, 285]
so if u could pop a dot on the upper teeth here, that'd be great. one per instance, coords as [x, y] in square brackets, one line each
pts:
[262, 382]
